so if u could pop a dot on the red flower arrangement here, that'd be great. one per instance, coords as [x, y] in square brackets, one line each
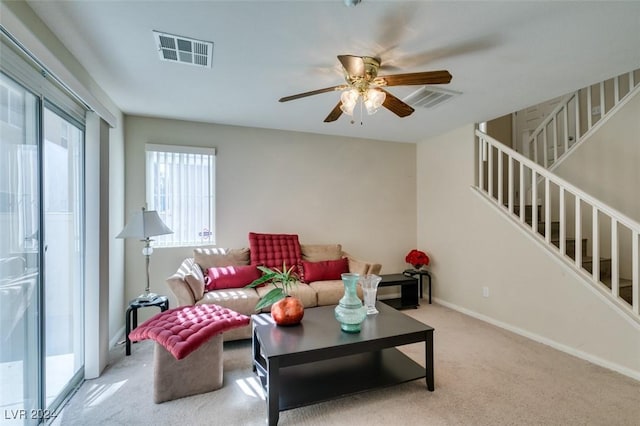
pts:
[417, 258]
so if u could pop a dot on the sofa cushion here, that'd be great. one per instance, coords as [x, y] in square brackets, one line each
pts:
[330, 292]
[195, 280]
[182, 330]
[302, 291]
[241, 300]
[358, 267]
[318, 252]
[231, 276]
[214, 257]
[274, 250]
[324, 270]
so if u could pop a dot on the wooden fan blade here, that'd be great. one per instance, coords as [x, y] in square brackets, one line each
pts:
[335, 113]
[395, 105]
[311, 93]
[353, 65]
[417, 78]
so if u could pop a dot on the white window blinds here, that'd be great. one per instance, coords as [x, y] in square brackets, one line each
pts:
[181, 188]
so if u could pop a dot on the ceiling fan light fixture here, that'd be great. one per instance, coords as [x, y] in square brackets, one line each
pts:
[348, 100]
[373, 100]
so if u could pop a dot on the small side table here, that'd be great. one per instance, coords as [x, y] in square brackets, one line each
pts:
[408, 290]
[422, 273]
[132, 313]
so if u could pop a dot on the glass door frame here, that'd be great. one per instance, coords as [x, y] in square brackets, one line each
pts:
[51, 409]
[33, 407]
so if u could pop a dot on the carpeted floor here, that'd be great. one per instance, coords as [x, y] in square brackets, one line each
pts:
[483, 375]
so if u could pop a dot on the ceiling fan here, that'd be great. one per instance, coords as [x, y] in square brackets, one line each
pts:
[364, 85]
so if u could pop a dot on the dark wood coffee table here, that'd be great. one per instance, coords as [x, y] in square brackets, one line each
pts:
[316, 361]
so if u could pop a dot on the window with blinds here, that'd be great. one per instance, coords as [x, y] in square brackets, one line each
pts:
[181, 188]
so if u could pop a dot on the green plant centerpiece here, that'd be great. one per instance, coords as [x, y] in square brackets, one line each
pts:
[285, 309]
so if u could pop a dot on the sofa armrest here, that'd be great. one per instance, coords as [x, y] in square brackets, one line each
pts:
[179, 286]
[362, 267]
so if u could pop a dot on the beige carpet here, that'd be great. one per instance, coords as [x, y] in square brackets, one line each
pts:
[484, 376]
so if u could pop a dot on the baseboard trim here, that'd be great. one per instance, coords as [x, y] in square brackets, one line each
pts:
[546, 341]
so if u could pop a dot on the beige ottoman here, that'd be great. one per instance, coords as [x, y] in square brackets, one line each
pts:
[199, 372]
[188, 349]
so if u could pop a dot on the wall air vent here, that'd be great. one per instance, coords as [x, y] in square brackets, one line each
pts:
[429, 97]
[185, 50]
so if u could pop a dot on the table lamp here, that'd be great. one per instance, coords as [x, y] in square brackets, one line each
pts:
[143, 225]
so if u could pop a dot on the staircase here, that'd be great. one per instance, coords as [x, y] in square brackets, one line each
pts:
[598, 242]
[565, 220]
[625, 285]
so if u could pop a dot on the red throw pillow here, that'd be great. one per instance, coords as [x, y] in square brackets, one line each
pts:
[274, 250]
[324, 270]
[231, 276]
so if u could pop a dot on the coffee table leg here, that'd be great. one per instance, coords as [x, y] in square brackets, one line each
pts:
[428, 342]
[273, 391]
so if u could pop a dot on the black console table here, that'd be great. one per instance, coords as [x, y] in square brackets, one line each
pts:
[408, 290]
[421, 273]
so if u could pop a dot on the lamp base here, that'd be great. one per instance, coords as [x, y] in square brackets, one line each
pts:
[146, 297]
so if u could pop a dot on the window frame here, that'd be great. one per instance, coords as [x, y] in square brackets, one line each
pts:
[206, 235]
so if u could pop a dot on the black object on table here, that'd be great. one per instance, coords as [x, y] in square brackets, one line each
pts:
[408, 290]
[298, 366]
[132, 313]
[422, 273]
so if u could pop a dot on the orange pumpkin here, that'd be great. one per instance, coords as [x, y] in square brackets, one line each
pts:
[288, 311]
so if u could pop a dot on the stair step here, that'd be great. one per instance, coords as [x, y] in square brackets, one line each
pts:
[570, 249]
[605, 266]
[555, 229]
[625, 288]
[528, 208]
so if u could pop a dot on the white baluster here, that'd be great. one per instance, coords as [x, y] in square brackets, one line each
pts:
[615, 260]
[595, 247]
[500, 177]
[636, 274]
[563, 224]
[521, 201]
[602, 103]
[589, 107]
[547, 210]
[578, 237]
[534, 201]
[577, 112]
[510, 185]
[565, 116]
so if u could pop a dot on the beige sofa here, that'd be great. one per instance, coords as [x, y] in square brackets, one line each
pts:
[188, 287]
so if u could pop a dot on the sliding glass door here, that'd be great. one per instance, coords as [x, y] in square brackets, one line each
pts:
[63, 290]
[41, 254]
[20, 266]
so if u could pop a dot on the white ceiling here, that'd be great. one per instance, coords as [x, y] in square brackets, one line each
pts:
[503, 56]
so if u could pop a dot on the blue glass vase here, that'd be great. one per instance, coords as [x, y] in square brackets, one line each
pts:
[350, 312]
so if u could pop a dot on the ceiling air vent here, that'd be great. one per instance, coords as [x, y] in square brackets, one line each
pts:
[429, 97]
[185, 50]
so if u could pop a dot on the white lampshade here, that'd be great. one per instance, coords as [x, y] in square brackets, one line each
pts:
[144, 224]
[349, 99]
[374, 100]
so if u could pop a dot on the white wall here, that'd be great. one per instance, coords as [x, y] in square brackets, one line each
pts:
[356, 192]
[606, 165]
[473, 246]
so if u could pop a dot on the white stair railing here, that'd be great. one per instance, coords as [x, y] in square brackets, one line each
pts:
[576, 214]
[572, 121]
